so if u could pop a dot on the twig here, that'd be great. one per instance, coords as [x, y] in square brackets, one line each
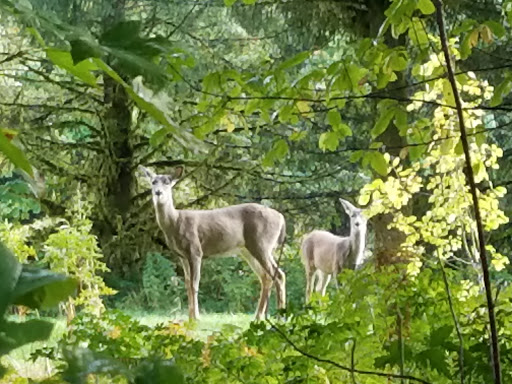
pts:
[454, 317]
[471, 181]
[352, 364]
[342, 367]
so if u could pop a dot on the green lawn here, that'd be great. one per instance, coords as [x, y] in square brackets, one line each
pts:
[19, 359]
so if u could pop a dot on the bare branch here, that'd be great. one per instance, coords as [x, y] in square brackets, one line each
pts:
[342, 367]
[472, 185]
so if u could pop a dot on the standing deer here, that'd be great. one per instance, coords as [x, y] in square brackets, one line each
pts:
[325, 254]
[196, 234]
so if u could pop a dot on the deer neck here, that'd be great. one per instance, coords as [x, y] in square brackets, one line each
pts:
[166, 213]
[357, 244]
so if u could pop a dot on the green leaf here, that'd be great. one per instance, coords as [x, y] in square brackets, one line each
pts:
[441, 335]
[417, 34]
[229, 3]
[382, 122]
[14, 154]
[497, 28]
[333, 117]
[397, 61]
[448, 93]
[158, 372]
[298, 136]
[378, 162]
[151, 109]
[122, 33]
[82, 70]
[342, 130]
[328, 141]
[81, 362]
[157, 137]
[285, 113]
[436, 359]
[279, 151]
[10, 271]
[502, 90]
[294, 61]
[40, 288]
[14, 335]
[356, 156]
[401, 121]
[82, 49]
[249, 2]
[426, 7]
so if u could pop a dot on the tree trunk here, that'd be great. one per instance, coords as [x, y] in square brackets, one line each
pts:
[387, 241]
[116, 166]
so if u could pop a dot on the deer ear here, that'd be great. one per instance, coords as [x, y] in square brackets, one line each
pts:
[178, 172]
[150, 175]
[348, 207]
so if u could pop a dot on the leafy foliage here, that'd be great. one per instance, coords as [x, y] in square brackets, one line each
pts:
[291, 120]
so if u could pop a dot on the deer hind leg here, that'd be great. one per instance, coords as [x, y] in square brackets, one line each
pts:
[265, 282]
[322, 282]
[310, 281]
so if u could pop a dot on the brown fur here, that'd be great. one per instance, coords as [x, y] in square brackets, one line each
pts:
[253, 229]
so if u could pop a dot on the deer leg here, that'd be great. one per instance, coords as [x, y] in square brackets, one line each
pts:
[265, 283]
[323, 281]
[310, 275]
[188, 286]
[280, 279]
[195, 276]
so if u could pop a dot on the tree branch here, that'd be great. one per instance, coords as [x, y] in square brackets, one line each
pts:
[342, 367]
[472, 185]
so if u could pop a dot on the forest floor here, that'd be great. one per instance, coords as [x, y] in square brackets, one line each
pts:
[20, 361]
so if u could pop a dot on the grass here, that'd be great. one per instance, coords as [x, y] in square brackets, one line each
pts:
[19, 359]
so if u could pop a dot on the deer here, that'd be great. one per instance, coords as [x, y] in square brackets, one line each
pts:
[252, 229]
[325, 254]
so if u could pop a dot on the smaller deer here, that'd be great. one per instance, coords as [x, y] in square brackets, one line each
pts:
[325, 254]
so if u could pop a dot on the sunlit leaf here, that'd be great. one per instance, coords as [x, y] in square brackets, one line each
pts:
[82, 70]
[14, 154]
[328, 141]
[426, 7]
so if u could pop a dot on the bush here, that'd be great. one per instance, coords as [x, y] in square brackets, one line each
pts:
[161, 287]
[378, 321]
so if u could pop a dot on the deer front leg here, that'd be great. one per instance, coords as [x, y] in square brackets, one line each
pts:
[190, 297]
[195, 276]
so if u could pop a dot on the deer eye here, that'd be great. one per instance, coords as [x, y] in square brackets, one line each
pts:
[153, 182]
[167, 181]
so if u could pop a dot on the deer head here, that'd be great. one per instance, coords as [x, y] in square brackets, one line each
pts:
[161, 185]
[358, 225]
[357, 220]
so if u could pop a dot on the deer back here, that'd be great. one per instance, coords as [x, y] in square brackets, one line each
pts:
[218, 231]
[324, 251]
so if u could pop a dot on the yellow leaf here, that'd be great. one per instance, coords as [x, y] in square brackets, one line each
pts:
[228, 124]
[473, 38]
[486, 34]
[303, 107]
